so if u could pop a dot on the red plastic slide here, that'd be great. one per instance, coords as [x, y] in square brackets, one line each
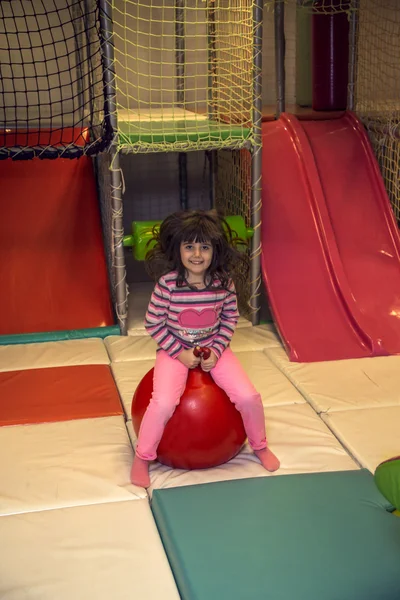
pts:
[330, 243]
[53, 272]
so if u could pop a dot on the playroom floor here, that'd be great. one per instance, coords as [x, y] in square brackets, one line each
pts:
[72, 525]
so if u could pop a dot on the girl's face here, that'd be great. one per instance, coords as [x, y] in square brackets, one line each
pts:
[196, 258]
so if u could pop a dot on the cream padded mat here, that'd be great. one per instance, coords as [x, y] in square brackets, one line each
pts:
[131, 347]
[143, 347]
[127, 376]
[371, 435]
[53, 354]
[102, 552]
[296, 434]
[344, 385]
[71, 463]
[273, 386]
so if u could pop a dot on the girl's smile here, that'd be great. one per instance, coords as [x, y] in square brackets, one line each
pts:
[196, 258]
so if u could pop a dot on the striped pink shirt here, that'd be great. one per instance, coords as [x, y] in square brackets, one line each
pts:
[180, 318]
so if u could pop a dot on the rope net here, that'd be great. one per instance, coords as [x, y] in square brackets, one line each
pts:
[184, 74]
[377, 86]
[233, 194]
[51, 80]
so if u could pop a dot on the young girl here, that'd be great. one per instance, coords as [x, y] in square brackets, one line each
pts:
[194, 303]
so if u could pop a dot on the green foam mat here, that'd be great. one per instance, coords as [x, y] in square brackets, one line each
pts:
[57, 336]
[170, 132]
[324, 536]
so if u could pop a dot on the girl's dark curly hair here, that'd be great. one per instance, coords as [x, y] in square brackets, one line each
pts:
[229, 263]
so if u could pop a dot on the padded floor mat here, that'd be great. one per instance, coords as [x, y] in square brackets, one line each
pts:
[57, 394]
[320, 536]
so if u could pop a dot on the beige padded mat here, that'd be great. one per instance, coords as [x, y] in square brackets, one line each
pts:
[344, 385]
[371, 435]
[143, 347]
[296, 434]
[53, 354]
[70, 463]
[273, 386]
[101, 552]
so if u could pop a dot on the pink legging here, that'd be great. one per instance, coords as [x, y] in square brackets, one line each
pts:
[170, 377]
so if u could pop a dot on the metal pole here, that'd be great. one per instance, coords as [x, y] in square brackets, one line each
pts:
[180, 51]
[180, 93]
[212, 72]
[212, 56]
[110, 110]
[351, 99]
[279, 22]
[256, 164]
[212, 169]
[183, 180]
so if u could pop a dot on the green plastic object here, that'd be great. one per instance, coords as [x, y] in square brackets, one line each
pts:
[387, 479]
[161, 133]
[57, 336]
[143, 232]
[317, 536]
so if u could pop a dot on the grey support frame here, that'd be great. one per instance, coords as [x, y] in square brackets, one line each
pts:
[117, 226]
[256, 164]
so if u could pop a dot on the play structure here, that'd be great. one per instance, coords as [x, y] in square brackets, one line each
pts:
[86, 81]
[325, 201]
[61, 270]
[54, 276]
[188, 78]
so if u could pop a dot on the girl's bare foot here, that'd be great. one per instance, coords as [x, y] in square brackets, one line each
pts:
[268, 459]
[140, 472]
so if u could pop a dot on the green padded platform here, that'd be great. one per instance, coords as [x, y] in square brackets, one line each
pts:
[57, 336]
[170, 132]
[324, 536]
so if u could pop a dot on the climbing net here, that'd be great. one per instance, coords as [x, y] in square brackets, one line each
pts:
[184, 74]
[377, 86]
[51, 79]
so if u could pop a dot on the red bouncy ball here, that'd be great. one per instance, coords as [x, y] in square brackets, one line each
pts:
[205, 430]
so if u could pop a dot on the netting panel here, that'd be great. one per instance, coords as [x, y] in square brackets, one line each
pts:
[184, 73]
[51, 84]
[377, 86]
[233, 193]
[233, 183]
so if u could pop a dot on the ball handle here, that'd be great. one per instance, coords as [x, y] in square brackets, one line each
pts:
[202, 352]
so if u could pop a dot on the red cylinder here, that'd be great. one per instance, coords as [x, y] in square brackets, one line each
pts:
[205, 430]
[330, 55]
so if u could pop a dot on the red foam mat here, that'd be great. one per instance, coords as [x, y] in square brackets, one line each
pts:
[58, 394]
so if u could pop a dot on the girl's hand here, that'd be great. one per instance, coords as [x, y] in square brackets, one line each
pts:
[188, 359]
[209, 363]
